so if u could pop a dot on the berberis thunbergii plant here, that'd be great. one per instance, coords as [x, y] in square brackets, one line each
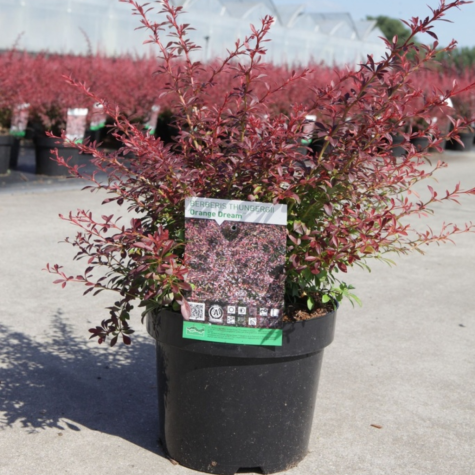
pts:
[346, 205]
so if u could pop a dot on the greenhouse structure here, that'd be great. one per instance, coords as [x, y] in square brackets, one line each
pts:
[298, 36]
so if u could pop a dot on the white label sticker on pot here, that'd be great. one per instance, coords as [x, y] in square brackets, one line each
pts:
[19, 121]
[151, 123]
[98, 119]
[76, 124]
[308, 128]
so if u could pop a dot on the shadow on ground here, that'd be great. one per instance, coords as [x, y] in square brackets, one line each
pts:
[65, 381]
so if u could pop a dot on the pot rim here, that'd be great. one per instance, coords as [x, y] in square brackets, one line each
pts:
[299, 338]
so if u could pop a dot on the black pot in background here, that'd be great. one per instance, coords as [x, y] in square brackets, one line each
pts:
[98, 135]
[398, 151]
[420, 143]
[6, 142]
[108, 140]
[225, 407]
[166, 129]
[317, 146]
[45, 165]
[467, 140]
[442, 145]
[15, 152]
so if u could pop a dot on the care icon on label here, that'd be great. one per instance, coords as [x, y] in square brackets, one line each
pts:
[231, 320]
[216, 314]
[231, 309]
[252, 321]
[263, 312]
[242, 310]
[241, 321]
[274, 312]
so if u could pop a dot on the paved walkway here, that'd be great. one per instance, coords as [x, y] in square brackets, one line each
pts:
[396, 393]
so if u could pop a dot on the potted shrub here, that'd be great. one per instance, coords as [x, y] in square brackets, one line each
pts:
[226, 407]
[464, 105]
[134, 90]
[44, 144]
[15, 87]
[55, 107]
[427, 80]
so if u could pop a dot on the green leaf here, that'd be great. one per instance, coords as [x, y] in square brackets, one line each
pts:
[355, 298]
[310, 303]
[326, 298]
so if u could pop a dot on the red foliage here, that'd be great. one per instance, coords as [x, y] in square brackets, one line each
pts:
[346, 203]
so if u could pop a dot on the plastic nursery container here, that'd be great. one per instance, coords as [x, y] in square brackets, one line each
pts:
[225, 407]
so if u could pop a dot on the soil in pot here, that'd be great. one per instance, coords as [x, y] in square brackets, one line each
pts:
[6, 142]
[225, 408]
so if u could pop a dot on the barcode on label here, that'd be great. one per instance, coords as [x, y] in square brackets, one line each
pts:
[197, 311]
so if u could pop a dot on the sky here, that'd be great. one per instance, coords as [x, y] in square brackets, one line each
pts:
[462, 29]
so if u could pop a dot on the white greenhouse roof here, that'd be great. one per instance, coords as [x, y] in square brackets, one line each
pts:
[288, 14]
[297, 36]
[243, 10]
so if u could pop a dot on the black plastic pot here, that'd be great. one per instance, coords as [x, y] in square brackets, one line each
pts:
[44, 163]
[467, 140]
[442, 145]
[166, 128]
[317, 146]
[6, 142]
[398, 151]
[15, 152]
[225, 408]
[420, 143]
[97, 135]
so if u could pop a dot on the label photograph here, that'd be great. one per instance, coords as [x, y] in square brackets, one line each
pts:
[235, 251]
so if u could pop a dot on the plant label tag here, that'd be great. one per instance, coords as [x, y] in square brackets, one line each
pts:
[151, 123]
[235, 252]
[308, 129]
[76, 124]
[98, 119]
[19, 121]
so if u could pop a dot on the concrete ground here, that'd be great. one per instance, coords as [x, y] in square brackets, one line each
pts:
[396, 395]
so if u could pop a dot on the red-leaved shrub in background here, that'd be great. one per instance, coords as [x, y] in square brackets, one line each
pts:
[126, 82]
[129, 84]
[346, 204]
[51, 98]
[16, 86]
[464, 103]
